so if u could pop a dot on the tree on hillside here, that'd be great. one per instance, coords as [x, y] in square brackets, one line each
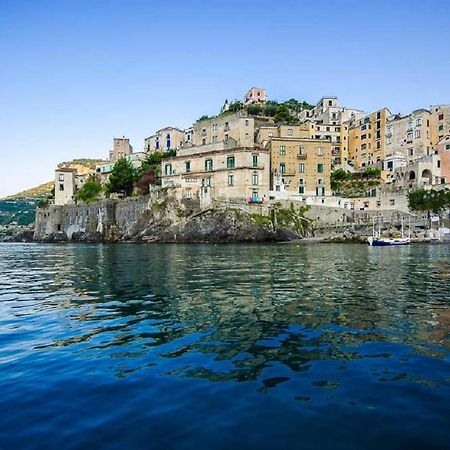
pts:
[152, 162]
[144, 182]
[283, 115]
[90, 191]
[122, 178]
[432, 200]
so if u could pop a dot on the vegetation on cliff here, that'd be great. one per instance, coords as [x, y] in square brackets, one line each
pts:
[281, 112]
[356, 184]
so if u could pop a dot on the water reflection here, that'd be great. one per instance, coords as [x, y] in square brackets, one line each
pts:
[226, 313]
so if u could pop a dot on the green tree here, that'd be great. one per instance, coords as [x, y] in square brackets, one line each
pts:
[90, 191]
[432, 200]
[122, 178]
[283, 115]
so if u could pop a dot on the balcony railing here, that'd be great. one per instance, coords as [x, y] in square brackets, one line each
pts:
[301, 155]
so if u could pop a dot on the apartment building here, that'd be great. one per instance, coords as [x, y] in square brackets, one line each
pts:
[215, 171]
[299, 164]
[443, 150]
[367, 139]
[239, 126]
[410, 136]
[121, 148]
[168, 138]
[440, 122]
[328, 121]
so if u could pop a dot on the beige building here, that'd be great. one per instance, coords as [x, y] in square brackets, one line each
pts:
[329, 121]
[237, 126]
[440, 122]
[409, 135]
[215, 172]
[254, 96]
[443, 150]
[168, 138]
[121, 148]
[299, 164]
[367, 139]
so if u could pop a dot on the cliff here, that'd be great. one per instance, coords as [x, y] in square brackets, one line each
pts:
[164, 217]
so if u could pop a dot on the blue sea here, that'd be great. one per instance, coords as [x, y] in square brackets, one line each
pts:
[277, 346]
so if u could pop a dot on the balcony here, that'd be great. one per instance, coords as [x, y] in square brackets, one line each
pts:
[301, 155]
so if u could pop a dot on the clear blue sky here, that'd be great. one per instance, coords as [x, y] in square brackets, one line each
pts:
[74, 74]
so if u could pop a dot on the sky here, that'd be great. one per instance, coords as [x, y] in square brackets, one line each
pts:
[76, 74]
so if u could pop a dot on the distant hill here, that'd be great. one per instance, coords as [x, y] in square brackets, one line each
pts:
[39, 191]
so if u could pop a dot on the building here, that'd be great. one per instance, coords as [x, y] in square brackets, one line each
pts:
[220, 173]
[121, 148]
[329, 121]
[67, 182]
[410, 136]
[367, 139]
[300, 165]
[422, 172]
[440, 122]
[443, 150]
[165, 139]
[104, 169]
[254, 96]
[238, 126]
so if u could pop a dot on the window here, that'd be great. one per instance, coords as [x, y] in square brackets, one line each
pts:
[441, 116]
[410, 152]
[447, 147]
[282, 149]
[301, 186]
[301, 150]
[409, 137]
[270, 134]
[255, 160]
[319, 168]
[188, 193]
[204, 141]
[388, 140]
[378, 115]
[168, 169]
[441, 127]
[188, 166]
[61, 186]
[290, 132]
[230, 162]
[61, 177]
[230, 179]
[378, 134]
[320, 191]
[301, 168]
[246, 122]
[418, 122]
[214, 139]
[282, 169]
[255, 178]
[417, 134]
[319, 151]
[392, 201]
[320, 181]
[208, 165]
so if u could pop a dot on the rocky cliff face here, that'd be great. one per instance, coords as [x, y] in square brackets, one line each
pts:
[163, 217]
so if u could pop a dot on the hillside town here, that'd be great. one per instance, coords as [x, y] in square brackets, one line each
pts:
[247, 153]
